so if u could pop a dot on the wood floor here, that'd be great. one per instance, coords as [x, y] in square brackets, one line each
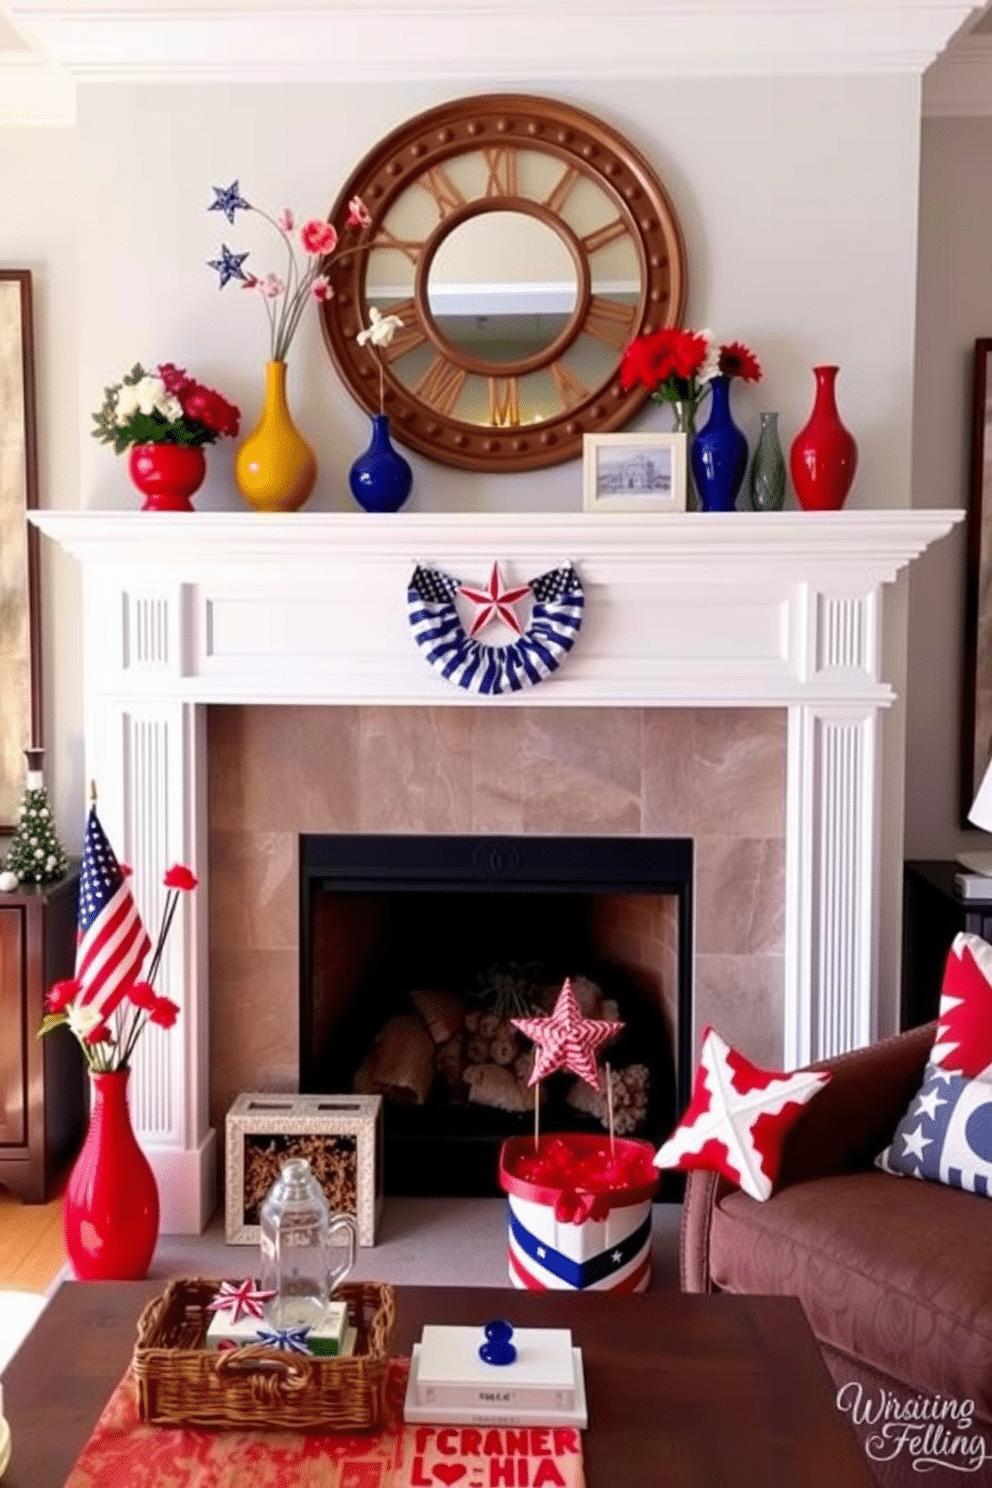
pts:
[32, 1250]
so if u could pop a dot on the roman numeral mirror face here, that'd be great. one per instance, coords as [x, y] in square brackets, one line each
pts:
[522, 244]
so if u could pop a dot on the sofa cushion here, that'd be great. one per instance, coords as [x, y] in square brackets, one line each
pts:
[889, 1272]
[946, 1134]
[738, 1116]
[963, 1042]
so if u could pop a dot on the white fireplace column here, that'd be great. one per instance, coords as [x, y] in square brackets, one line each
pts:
[689, 610]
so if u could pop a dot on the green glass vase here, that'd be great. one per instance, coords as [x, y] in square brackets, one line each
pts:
[766, 481]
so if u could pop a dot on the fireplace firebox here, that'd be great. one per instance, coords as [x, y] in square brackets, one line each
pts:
[417, 951]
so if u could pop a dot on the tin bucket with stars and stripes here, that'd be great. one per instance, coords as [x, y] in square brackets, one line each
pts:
[578, 1234]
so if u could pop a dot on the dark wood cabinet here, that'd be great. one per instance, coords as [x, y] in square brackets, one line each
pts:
[932, 914]
[42, 1081]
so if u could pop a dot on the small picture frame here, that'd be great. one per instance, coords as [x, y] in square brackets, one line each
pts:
[633, 472]
[340, 1136]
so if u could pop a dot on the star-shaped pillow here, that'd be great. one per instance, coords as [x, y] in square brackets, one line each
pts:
[963, 1043]
[738, 1117]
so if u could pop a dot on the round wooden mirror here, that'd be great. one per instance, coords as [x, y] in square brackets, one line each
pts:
[522, 244]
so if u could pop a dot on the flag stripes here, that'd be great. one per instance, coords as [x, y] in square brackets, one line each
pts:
[112, 942]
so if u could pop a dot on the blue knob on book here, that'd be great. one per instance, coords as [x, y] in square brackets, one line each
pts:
[497, 1349]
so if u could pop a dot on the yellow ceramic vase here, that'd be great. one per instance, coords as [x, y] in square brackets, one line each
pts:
[275, 467]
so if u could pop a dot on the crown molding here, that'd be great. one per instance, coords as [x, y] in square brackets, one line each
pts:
[35, 93]
[488, 41]
[959, 83]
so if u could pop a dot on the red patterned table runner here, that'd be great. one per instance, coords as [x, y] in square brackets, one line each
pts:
[126, 1454]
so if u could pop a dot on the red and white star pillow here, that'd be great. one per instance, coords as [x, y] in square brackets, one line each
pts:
[737, 1118]
[964, 1029]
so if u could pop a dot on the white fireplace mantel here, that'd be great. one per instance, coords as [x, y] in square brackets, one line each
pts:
[744, 610]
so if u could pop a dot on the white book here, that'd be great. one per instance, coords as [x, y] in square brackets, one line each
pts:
[495, 1415]
[973, 885]
[451, 1371]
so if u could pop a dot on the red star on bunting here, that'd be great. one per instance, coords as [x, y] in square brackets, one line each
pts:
[964, 1029]
[566, 1040]
[495, 602]
[241, 1299]
[738, 1117]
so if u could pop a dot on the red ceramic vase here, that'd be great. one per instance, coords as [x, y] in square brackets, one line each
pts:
[110, 1217]
[167, 474]
[823, 456]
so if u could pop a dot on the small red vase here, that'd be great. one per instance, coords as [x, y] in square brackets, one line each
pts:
[824, 455]
[110, 1217]
[167, 474]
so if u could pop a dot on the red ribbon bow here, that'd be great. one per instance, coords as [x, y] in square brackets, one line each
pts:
[576, 1208]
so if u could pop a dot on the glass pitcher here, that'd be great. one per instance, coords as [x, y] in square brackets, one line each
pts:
[300, 1261]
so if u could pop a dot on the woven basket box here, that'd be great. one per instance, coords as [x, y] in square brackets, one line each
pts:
[182, 1383]
[339, 1135]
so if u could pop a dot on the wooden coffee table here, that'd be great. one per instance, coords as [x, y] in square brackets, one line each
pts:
[682, 1390]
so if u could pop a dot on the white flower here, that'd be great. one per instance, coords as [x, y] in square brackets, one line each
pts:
[711, 362]
[381, 330]
[83, 1020]
[147, 396]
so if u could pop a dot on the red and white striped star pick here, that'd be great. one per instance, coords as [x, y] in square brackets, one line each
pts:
[737, 1118]
[495, 602]
[241, 1299]
[567, 1040]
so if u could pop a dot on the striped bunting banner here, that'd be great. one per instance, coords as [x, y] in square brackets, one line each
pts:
[490, 670]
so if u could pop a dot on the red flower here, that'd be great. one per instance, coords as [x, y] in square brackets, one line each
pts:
[142, 995]
[61, 994]
[653, 359]
[207, 406]
[737, 360]
[180, 877]
[99, 1035]
[318, 237]
[174, 378]
[164, 1012]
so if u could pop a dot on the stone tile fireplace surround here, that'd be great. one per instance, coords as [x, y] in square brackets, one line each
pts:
[728, 684]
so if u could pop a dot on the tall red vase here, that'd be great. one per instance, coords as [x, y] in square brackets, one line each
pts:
[167, 474]
[111, 1205]
[824, 455]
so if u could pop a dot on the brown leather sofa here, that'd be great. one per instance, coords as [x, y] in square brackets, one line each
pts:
[895, 1275]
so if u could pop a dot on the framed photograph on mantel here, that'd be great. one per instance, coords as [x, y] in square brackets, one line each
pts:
[633, 472]
[20, 645]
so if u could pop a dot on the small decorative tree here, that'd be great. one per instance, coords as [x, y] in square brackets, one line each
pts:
[36, 855]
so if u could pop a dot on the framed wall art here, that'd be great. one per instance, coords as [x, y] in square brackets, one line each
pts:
[20, 645]
[976, 710]
[339, 1135]
[633, 472]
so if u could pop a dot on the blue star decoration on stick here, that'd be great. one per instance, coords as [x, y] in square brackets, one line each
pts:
[290, 1340]
[228, 265]
[228, 199]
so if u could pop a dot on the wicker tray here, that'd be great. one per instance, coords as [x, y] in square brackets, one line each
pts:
[182, 1383]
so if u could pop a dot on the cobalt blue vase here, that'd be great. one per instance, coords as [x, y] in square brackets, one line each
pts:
[380, 480]
[719, 453]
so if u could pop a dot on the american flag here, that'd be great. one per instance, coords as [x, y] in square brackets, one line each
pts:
[112, 942]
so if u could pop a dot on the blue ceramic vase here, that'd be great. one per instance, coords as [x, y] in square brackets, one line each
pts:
[719, 453]
[380, 479]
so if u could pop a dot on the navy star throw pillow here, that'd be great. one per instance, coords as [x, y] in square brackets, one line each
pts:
[946, 1134]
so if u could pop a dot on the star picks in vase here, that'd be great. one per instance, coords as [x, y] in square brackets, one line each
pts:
[228, 199]
[495, 602]
[567, 1040]
[241, 1299]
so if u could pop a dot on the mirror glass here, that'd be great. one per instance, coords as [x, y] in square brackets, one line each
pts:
[502, 286]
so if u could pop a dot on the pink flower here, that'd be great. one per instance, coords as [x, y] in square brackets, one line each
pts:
[286, 219]
[322, 288]
[141, 995]
[358, 213]
[61, 994]
[318, 237]
[165, 1012]
[271, 287]
[180, 877]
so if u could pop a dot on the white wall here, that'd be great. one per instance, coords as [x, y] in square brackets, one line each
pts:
[955, 307]
[38, 231]
[792, 247]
